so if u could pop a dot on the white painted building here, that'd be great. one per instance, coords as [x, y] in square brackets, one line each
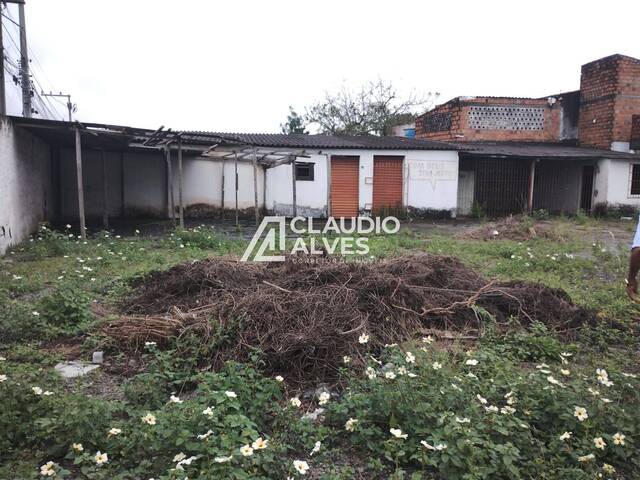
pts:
[125, 175]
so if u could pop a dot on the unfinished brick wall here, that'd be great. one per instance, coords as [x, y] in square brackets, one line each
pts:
[609, 97]
[635, 132]
[492, 119]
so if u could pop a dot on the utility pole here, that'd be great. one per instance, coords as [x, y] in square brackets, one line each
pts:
[25, 79]
[70, 106]
[3, 100]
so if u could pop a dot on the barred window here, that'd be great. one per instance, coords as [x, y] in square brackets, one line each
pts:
[304, 171]
[635, 179]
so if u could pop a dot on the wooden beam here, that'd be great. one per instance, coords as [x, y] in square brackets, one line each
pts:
[264, 187]
[122, 192]
[180, 184]
[293, 182]
[236, 181]
[222, 199]
[532, 177]
[172, 203]
[105, 196]
[83, 227]
[255, 187]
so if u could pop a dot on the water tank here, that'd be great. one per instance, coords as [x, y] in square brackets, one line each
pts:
[410, 132]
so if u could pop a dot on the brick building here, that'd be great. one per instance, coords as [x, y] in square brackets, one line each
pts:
[561, 152]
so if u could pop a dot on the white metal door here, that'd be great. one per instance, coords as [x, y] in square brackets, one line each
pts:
[466, 182]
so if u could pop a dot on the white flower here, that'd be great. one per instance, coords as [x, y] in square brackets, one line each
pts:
[402, 370]
[174, 399]
[259, 444]
[580, 413]
[101, 458]
[208, 412]
[608, 469]
[472, 362]
[565, 372]
[2, 359]
[364, 338]
[428, 339]
[246, 451]
[316, 448]
[350, 425]
[593, 392]
[301, 466]
[553, 381]
[3, 378]
[115, 431]
[396, 432]
[295, 401]
[324, 398]
[206, 435]
[507, 410]
[186, 461]
[436, 365]
[35, 313]
[46, 393]
[566, 436]
[179, 457]
[390, 375]
[481, 399]
[603, 377]
[37, 390]
[48, 469]
[279, 378]
[77, 447]
[346, 359]
[586, 458]
[599, 443]
[223, 459]
[150, 344]
[371, 373]
[231, 394]
[437, 447]
[149, 419]
[491, 409]
[410, 358]
[462, 420]
[618, 438]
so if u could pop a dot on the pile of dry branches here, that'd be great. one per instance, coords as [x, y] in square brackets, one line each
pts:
[306, 316]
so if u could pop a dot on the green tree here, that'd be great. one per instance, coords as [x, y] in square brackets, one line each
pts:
[294, 123]
[371, 109]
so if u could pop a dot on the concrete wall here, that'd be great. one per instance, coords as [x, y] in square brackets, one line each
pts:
[26, 192]
[613, 183]
[430, 182]
[137, 184]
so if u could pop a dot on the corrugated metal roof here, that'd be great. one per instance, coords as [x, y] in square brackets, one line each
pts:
[537, 149]
[322, 141]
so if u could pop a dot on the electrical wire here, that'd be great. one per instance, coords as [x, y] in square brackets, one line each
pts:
[45, 102]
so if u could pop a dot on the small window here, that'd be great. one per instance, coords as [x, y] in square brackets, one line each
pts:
[635, 179]
[304, 171]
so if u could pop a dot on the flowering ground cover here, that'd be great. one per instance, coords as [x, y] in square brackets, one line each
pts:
[519, 401]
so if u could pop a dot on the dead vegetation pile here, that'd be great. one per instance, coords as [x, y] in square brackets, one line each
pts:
[518, 228]
[306, 317]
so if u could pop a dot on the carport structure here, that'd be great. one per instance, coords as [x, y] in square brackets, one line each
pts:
[514, 177]
[118, 148]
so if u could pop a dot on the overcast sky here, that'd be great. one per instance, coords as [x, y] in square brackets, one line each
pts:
[237, 65]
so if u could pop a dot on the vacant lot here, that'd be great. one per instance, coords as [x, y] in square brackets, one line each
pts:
[453, 353]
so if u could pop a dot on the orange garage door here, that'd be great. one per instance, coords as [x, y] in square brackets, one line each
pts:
[387, 183]
[344, 186]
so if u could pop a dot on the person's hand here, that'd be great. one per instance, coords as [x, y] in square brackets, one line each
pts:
[632, 289]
